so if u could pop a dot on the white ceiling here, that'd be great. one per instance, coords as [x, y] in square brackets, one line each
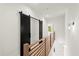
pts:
[50, 9]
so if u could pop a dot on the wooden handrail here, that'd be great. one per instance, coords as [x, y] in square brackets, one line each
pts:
[34, 43]
[40, 48]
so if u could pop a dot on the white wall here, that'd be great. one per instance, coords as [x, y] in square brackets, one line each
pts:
[10, 27]
[45, 28]
[59, 27]
[72, 36]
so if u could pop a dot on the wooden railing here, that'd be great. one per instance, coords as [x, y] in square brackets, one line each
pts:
[40, 48]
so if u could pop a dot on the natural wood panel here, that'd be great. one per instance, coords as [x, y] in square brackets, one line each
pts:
[47, 45]
[26, 49]
[40, 48]
[37, 50]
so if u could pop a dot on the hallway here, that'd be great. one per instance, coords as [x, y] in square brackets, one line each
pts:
[41, 29]
[59, 28]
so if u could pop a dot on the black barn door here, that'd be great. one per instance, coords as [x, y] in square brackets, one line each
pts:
[40, 29]
[24, 31]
